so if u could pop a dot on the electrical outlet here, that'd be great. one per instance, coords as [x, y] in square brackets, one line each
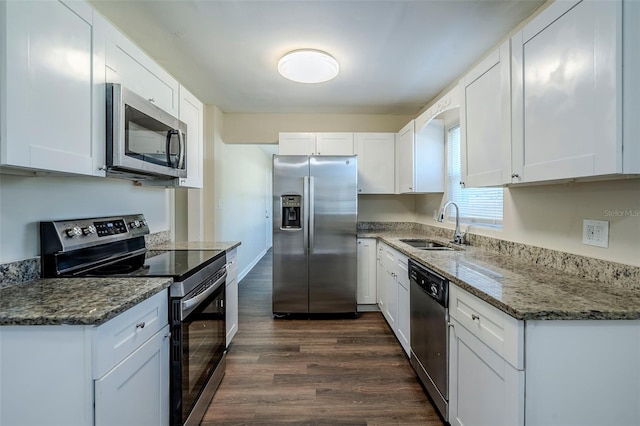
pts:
[595, 233]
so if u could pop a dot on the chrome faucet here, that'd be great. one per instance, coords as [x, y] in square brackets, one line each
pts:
[458, 237]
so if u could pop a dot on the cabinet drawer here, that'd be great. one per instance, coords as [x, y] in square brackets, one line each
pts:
[498, 330]
[232, 262]
[120, 336]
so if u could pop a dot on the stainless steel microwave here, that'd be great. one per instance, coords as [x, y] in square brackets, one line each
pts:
[143, 142]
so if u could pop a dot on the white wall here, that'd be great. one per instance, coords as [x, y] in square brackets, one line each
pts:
[264, 128]
[550, 216]
[386, 208]
[24, 201]
[241, 201]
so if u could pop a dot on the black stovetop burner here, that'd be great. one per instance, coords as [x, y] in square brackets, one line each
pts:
[177, 264]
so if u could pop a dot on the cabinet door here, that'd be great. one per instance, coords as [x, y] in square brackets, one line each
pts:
[404, 309]
[136, 391]
[380, 276]
[390, 286]
[376, 162]
[231, 295]
[366, 271]
[50, 88]
[567, 91]
[132, 67]
[485, 121]
[484, 389]
[334, 144]
[405, 159]
[192, 113]
[296, 143]
[429, 157]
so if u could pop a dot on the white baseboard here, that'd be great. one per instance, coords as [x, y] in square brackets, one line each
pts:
[248, 269]
[368, 308]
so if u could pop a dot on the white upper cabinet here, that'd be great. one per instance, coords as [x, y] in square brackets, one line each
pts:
[304, 143]
[405, 158]
[296, 143]
[420, 158]
[130, 66]
[192, 114]
[52, 93]
[485, 121]
[376, 165]
[420, 154]
[334, 143]
[571, 66]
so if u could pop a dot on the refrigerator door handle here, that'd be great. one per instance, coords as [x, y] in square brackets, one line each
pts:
[312, 225]
[305, 213]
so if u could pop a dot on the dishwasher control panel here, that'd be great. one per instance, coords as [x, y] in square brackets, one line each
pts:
[430, 282]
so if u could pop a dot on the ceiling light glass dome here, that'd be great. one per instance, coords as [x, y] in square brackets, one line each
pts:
[308, 66]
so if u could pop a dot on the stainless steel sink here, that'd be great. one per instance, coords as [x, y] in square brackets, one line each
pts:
[424, 244]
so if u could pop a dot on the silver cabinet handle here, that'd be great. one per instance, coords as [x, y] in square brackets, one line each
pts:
[152, 99]
[140, 325]
[475, 317]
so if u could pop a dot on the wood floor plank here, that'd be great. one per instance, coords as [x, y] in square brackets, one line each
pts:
[314, 371]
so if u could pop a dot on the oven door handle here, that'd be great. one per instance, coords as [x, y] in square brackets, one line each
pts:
[190, 304]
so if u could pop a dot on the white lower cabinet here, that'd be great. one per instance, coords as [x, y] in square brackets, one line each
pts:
[484, 388]
[403, 330]
[231, 295]
[367, 258]
[380, 275]
[130, 393]
[113, 374]
[578, 372]
[394, 284]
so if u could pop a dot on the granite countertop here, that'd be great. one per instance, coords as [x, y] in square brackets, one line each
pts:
[74, 301]
[526, 291]
[86, 301]
[195, 245]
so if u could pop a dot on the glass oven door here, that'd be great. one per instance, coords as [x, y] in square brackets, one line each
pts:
[198, 345]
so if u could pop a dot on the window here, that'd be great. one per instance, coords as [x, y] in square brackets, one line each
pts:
[477, 205]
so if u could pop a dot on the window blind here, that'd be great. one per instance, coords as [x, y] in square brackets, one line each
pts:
[477, 205]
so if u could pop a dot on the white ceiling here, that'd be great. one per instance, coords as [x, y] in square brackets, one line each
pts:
[395, 56]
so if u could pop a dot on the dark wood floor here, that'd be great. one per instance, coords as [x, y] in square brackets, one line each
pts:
[314, 372]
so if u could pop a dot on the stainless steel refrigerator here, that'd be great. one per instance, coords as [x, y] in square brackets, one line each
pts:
[315, 207]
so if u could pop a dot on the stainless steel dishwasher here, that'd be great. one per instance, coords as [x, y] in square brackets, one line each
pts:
[429, 294]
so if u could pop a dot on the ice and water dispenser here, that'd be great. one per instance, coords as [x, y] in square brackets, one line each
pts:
[291, 212]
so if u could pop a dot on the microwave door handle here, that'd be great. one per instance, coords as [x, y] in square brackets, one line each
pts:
[182, 148]
[168, 146]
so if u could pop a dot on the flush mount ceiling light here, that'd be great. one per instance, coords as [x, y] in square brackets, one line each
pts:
[308, 66]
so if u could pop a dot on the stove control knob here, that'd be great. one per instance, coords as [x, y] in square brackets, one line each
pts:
[73, 232]
[89, 230]
[143, 223]
[135, 224]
